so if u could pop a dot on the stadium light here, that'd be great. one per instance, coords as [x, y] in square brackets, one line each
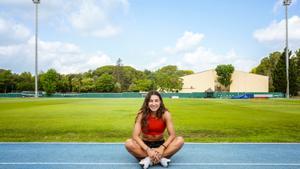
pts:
[286, 3]
[36, 2]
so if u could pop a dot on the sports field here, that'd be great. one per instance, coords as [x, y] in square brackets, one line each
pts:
[112, 120]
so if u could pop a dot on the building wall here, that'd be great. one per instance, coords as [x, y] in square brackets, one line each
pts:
[241, 82]
[249, 82]
[198, 82]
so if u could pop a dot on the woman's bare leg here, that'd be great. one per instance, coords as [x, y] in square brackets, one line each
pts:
[173, 147]
[135, 149]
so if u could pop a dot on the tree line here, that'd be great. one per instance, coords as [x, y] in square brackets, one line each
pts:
[109, 78]
[119, 78]
[274, 66]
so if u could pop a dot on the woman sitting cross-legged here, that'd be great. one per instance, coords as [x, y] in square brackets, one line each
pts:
[148, 143]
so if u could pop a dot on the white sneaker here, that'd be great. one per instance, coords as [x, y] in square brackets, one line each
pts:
[146, 162]
[164, 162]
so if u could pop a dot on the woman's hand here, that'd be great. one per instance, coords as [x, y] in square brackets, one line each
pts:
[159, 152]
[152, 154]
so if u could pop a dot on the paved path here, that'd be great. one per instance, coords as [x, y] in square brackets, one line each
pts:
[114, 156]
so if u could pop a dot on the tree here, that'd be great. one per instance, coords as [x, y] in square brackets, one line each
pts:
[123, 76]
[293, 86]
[279, 75]
[75, 82]
[64, 84]
[117, 87]
[267, 67]
[49, 81]
[168, 79]
[141, 85]
[109, 69]
[88, 74]
[185, 72]
[25, 82]
[87, 84]
[129, 75]
[5, 80]
[118, 71]
[105, 83]
[150, 76]
[224, 73]
[297, 56]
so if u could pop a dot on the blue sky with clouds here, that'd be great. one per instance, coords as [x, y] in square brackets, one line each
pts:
[78, 35]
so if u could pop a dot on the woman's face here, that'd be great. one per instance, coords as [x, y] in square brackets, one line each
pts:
[154, 103]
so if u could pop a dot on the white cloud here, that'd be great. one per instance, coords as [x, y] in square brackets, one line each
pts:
[275, 32]
[157, 64]
[64, 57]
[188, 41]
[88, 16]
[68, 58]
[199, 58]
[204, 59]
[11, 32]
[13, 2]
[278, 4]
[107, 31]
[93, 18]
[17, 42]
[81, 63]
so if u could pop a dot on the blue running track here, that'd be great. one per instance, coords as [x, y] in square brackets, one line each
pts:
[114, 156]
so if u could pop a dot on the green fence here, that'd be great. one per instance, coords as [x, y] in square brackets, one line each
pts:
[10, 94]
[98, 95]
[141, 95]
[232, 94]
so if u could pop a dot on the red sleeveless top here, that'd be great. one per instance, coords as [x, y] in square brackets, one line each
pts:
[155, 126]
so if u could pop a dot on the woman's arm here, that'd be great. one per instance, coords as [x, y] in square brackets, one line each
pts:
[136, 136]
[137, 131]
[171, 132]
[170, 128]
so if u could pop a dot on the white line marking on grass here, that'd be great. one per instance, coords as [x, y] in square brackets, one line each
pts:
[177, 164]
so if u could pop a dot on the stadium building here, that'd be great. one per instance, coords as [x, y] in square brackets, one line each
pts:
[241, 82]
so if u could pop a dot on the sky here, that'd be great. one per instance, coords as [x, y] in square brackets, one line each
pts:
[75, 36]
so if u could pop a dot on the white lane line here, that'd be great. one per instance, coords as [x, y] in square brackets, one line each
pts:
[239, 164]
[63, 163]
[177, 164]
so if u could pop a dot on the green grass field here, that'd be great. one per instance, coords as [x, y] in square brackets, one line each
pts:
[112, 120]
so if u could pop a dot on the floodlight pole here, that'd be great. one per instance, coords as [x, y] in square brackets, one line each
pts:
[286, 3]
[36, 2]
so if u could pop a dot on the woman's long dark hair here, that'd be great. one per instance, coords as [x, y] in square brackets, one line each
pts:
[145, 110]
